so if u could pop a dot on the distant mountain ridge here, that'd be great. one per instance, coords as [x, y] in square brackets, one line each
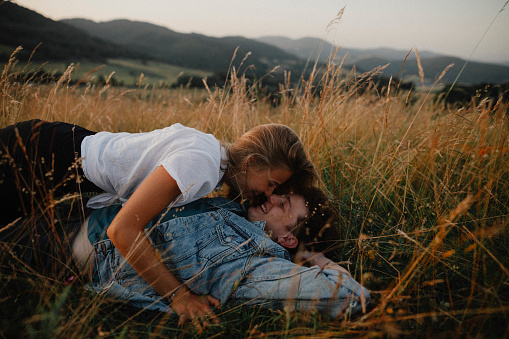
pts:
[189, 50]
[367, 59]
[306, 47]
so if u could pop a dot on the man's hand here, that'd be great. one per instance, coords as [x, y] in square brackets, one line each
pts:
[317, 258]
[197, 308]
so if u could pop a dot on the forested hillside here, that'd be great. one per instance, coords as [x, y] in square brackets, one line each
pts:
[53, 40]
[188, 50]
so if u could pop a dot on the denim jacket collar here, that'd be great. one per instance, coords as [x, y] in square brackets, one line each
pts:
[239, 209]
[227, 204]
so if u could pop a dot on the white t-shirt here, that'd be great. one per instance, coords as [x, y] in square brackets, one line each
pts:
[119, 162]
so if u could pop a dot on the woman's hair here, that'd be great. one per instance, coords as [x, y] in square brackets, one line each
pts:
[271, 146]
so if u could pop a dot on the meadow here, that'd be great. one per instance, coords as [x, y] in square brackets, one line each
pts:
[420, 187]
[120, 71]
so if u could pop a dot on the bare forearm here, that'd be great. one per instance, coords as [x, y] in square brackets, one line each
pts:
[145, 259]
[126, 232]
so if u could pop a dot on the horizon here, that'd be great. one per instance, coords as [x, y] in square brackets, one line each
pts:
[454, 28]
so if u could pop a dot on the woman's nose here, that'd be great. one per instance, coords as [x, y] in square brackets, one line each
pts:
[269, 191]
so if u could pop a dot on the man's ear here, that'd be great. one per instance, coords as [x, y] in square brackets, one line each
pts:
[288, 241]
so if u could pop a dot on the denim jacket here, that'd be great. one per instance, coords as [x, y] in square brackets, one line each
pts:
[220, 253]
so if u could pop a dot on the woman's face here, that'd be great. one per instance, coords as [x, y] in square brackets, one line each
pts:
[262, 181]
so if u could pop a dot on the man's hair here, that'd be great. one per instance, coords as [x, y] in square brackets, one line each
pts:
[319, 230]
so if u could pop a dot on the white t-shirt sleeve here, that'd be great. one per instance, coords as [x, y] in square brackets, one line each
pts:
[195, 171]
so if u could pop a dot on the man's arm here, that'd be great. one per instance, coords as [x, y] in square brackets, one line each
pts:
[279, 283]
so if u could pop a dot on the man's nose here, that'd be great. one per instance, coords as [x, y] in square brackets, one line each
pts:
[274, 198]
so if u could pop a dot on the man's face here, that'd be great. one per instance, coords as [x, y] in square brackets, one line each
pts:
[281, 215]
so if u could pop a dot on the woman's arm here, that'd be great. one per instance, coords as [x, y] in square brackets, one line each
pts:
[126, 232]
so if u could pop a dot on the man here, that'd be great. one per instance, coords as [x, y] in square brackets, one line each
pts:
[216, 251]
[215, 247]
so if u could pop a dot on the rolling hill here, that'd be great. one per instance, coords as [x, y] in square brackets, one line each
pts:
[474, 72]
[54, 40]
[367, 59]
[313, 47]
[188, 50]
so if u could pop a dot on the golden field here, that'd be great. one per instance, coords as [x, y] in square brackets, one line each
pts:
[421, 189]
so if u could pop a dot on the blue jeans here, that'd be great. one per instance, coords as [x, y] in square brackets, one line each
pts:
[222, 254]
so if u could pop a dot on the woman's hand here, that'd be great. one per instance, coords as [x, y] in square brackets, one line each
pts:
[197, 308]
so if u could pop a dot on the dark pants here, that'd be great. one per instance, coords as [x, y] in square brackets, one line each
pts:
[39, 162]
[42, 244]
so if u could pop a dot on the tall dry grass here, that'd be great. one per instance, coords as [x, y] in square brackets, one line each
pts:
[421, 190]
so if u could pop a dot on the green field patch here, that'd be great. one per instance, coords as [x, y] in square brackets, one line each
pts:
[122, 71]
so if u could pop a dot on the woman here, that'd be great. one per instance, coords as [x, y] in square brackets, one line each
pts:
[149, 171]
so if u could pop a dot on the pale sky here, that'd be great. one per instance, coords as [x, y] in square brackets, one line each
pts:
[450, 27]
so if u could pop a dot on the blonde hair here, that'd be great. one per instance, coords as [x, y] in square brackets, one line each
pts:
[270, 146]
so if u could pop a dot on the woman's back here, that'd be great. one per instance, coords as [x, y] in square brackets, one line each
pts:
[119, 162]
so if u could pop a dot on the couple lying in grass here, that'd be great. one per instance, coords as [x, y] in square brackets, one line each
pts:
[226, 252]
[164, 259]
